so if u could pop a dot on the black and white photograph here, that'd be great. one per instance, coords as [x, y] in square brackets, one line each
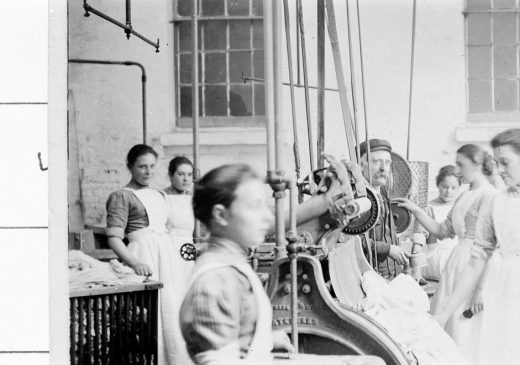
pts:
[210, 182]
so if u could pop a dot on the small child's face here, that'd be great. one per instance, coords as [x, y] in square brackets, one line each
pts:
[448, 188]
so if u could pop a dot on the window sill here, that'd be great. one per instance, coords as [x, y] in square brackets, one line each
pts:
[218, 136]
[493, 118]
[221, 122]
[482, 132]
[482, 127]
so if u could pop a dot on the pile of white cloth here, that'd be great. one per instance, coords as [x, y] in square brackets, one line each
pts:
[88, 272]
[401, 307]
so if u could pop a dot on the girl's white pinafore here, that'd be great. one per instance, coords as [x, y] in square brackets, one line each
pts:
[501, 315]
[154, 246]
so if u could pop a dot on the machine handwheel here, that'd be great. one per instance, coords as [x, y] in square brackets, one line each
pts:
[188, 251]
[402, 217]
[367, 220]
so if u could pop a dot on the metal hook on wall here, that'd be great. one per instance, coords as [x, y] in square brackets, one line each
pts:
[40, 161]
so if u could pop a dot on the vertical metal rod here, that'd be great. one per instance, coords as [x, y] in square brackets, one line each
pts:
[195, 100]
[340, 77]
[278, 121]
[306, 88]
[269, 87]
[143, 88]
[277, 81]
[296, 148]
[365, 118]
[293, 234]
[364, 94]
[321, 83]
[412, 56]
[294, 301]
[293, 202]
[128, 28]
[273, 115]
[298, 48]
[353, 84]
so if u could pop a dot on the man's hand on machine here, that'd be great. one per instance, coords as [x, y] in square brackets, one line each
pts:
[337, 168]
[399, 255]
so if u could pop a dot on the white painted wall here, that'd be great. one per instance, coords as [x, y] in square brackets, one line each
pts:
[107, 100]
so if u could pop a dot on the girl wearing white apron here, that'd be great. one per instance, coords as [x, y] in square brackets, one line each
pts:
[495, 263]
[139, 213]
[501, 314]
[226, 316]
[473, 164]
[259, 349]
[181, 222]
[437, 251]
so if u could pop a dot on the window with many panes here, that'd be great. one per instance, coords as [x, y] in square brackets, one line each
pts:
[231, 46]
[493, 58]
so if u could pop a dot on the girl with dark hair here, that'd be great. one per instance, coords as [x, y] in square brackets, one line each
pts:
[226, 316]
[139, 213]
[474, 164]
[181, 222]
[496, 253]
[438, 250]
[226, 313]
[180, 173]
[180, 213]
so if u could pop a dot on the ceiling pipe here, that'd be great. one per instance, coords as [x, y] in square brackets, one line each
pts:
[127, 28]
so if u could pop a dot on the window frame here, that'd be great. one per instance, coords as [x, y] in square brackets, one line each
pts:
[210, 121]
[493, 117]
